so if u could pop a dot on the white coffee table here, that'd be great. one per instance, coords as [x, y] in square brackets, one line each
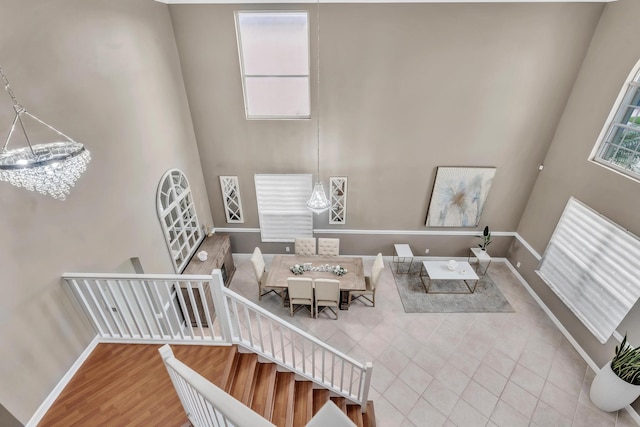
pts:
[439, 270]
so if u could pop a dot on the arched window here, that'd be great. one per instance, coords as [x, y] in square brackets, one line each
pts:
[178, 218]
[618, 145]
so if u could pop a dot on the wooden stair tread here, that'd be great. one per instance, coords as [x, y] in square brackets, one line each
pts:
[229, 369]
[263, 389]
[341, 403]
[303, 403]
[282, 415]
[369, 417]
[240, 387]
[355, 414]
[320, 397]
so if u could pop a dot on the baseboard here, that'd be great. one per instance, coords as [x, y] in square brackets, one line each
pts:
[632, 412]
[554, 319]
[46, 404]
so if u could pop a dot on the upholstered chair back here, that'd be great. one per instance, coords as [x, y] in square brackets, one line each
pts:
[305, 246]
[328, 247]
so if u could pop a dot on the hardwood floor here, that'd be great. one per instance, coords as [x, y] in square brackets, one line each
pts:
[128, 385]
[143, 395]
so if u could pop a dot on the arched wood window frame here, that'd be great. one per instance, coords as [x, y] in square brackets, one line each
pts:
[178, 218]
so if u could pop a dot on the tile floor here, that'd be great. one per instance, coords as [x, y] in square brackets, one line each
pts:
[479, 369]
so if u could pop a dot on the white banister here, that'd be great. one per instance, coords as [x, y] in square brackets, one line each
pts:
[150, 308]
[204, 403]
[336, 371]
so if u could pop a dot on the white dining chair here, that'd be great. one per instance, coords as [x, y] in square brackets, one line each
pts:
[300, 293]
[328, 247]
[305, 246]
[327, 295]
[257, 261]
[369, 293]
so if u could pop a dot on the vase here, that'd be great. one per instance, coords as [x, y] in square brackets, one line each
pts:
[611, 393]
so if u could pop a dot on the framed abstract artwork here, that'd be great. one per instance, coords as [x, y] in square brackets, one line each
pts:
[458, 196]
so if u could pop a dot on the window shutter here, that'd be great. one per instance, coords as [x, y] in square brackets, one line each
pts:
[593, 265]
[282, 209]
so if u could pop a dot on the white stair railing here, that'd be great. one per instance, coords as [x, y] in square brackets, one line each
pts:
[204, 403]
[146, 308]
[280, 342]
[140, 308]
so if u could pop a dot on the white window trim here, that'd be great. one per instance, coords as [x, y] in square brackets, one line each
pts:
[596, 152]
[177, 196]
[243, 75]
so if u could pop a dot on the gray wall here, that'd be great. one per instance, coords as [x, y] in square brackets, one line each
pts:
[404, 88]
[105, 72]
[611, 56]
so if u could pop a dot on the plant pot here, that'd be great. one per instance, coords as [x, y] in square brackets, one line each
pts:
[610, 393]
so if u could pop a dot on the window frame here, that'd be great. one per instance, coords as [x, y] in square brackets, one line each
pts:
[243, 75]
[617, 119]
[178, 218]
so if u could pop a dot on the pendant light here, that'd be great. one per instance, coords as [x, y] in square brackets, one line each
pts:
[318, 201]
[51, 168]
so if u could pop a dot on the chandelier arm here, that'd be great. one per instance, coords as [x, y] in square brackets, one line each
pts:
[49, 126]
[26, 135]
[13, 127]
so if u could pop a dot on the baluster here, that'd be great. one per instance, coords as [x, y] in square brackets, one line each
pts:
[132, 314]
[172, 303]
[149, 298]
[96, 304]
[118, 310]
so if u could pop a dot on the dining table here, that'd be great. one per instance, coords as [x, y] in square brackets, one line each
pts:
[353, 279]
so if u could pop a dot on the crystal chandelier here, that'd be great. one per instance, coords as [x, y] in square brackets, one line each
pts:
[51, 168]
[318, 202]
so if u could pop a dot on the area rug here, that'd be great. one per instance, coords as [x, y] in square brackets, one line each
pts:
[487, 298]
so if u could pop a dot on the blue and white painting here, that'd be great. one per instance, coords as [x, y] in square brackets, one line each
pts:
[458, 196]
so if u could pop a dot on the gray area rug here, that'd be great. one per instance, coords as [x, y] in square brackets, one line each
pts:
[487, 298]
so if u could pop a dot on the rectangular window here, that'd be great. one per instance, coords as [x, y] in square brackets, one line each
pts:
[274, 62]
[282, 206]
[591, 264]
[619, 143]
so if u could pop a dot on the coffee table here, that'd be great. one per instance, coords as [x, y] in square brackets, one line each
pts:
[439, 270]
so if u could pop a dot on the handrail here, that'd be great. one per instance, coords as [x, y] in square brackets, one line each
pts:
[210, 406]
[298, 351]
[290, 326]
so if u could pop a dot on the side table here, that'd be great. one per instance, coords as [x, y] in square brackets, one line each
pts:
[481, 257]
[402, 253]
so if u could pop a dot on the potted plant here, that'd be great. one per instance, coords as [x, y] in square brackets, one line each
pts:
[486, 238]
[617, 384]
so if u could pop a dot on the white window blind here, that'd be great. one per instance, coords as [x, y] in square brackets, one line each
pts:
[593, 265]
[282, 209]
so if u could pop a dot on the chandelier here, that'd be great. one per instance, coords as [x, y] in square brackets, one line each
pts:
[318, 202]
[51, 168]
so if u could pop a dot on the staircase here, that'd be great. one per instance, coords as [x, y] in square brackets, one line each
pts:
[278, 396]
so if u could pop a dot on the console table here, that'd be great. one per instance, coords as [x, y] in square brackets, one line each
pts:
[218, 247]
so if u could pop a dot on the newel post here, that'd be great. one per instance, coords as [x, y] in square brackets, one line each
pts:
[364, 393]
[223, 313]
